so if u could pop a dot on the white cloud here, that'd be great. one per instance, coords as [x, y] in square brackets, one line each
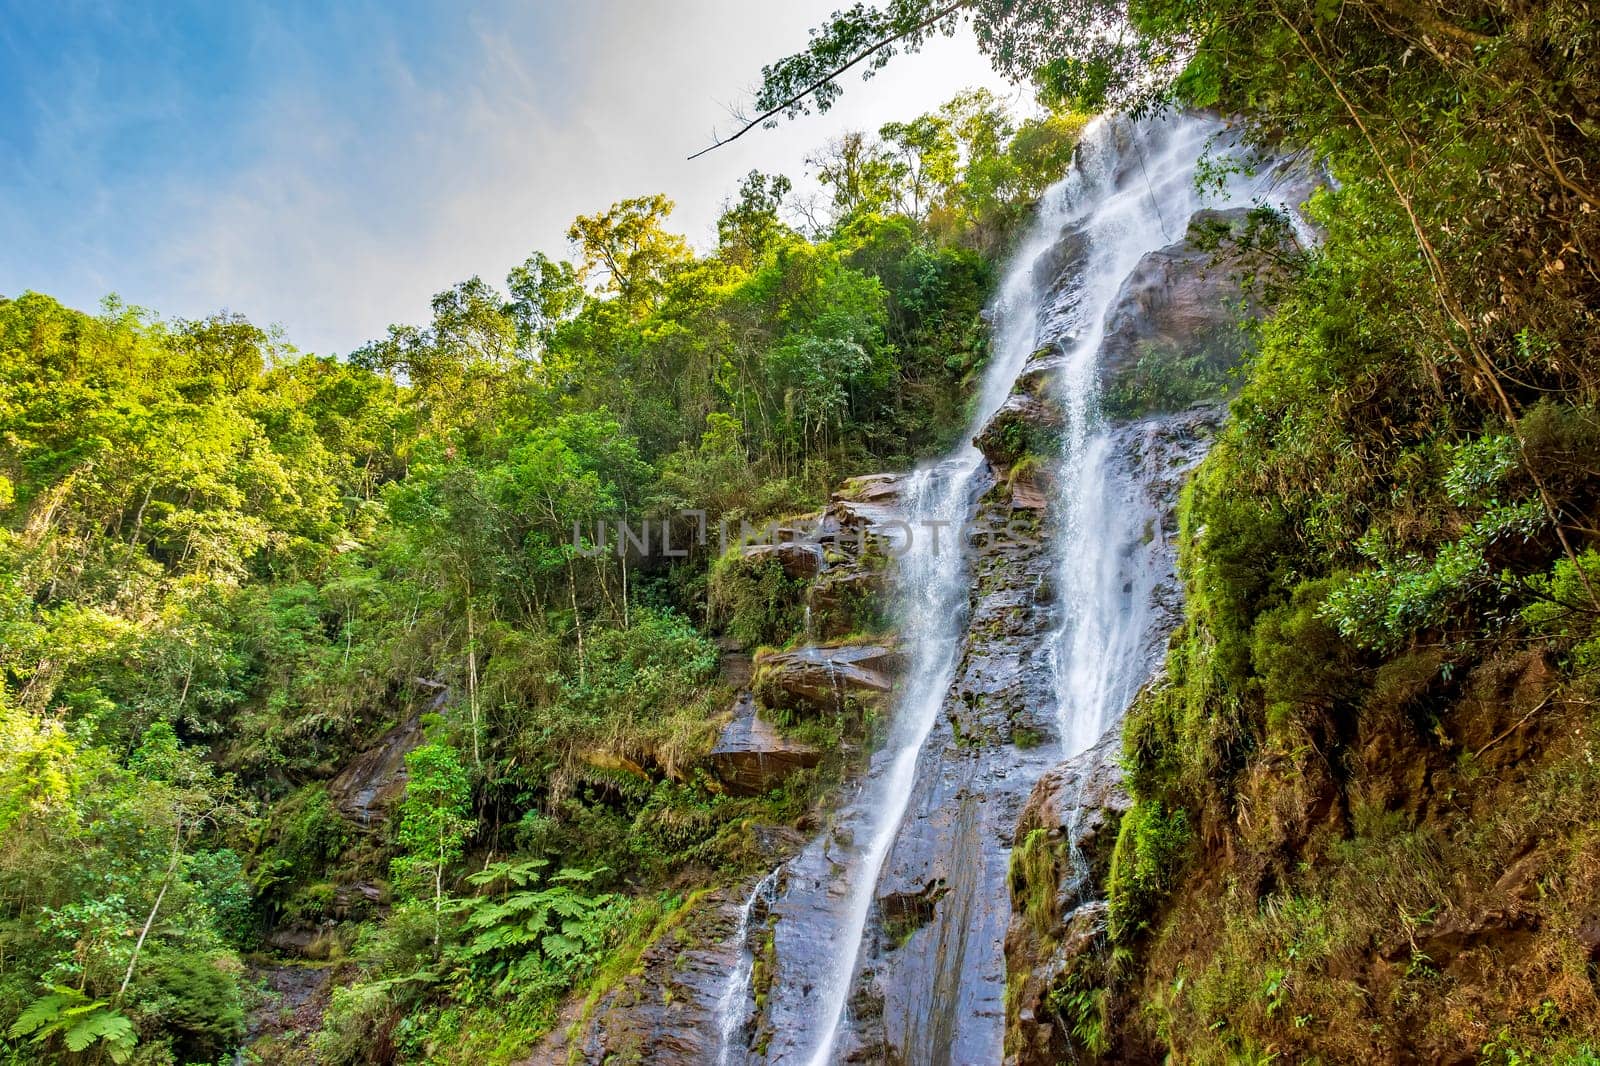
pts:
[334, 228]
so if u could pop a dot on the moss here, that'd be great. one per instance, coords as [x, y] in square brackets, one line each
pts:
[755, 601]
[306, 836]
[1166, 377]
[652, 920]
[1152, 843]
[1084, 1006]
[1035, 881]
[1026, 738]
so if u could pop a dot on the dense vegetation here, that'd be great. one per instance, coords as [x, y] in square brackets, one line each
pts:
[1375, 746]
[227, 568]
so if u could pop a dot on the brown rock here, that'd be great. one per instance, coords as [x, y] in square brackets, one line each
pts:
[751, 756]
[821, 677]
[1024, 424]
[664, 1010]
[865, 502]
[1180, 303]
[845, 599]
[800, 559]
[1027, 496]
[1058, 923]
[369, 786]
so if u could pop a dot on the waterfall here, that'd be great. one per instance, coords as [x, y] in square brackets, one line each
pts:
[733, 1008]
[1109, 562]
[1130, 192]
[931, 595]
[1107, 576]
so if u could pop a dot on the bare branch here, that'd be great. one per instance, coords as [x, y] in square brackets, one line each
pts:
[932, 19]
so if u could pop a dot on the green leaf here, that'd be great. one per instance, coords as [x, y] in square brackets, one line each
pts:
[557, 946]
[39, 1013]
[106, 1025]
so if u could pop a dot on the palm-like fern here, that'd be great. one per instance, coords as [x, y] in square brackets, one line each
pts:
[553, 927]
[79, 1021]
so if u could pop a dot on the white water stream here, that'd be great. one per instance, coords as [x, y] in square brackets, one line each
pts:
[1131, 191]
[1139, 183]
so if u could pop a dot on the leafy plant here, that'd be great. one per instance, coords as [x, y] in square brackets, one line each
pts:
[79, 1021]
[551, 931]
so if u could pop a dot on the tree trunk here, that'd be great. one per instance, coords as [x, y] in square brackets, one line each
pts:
[472, 679]
[172, 869]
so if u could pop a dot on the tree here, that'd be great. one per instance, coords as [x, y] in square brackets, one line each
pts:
[629, 248]
[859, 173]
[460, 367]
[434, 826]
[544, 293]
[924, 169]
[196, 798]
[749, 226]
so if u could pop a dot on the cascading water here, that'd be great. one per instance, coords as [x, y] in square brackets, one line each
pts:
[931, 594]
[733, 1008]
[1108, 567]
[1131, 192]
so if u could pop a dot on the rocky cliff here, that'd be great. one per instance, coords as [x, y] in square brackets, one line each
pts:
[986, 923]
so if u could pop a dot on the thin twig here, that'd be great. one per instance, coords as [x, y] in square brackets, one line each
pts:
[826, 78]
[1520, 722]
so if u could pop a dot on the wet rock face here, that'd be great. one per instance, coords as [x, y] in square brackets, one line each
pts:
[286, 1017]
[751, 756]
[844, 599]
[800, 560]
[823, 678]
[935, 969]
[1055, 944]
[848, 593]
[869, 490]
[664, 1012]
[933, 972]
[1173, 332]
[370, 785]
[1056, 936]
[1025, 424]
[1175, 296]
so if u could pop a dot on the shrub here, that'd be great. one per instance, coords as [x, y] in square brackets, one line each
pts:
[1151, 845]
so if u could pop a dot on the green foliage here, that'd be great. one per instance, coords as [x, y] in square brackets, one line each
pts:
[434, 826]
[1151, 845]
[1034, 876]
[754, 600]
[1165, 379]
[549, 935]
[1084, 1006]
[198, 1001]
[304, 838]
[1560, 608]
[79, 1022]
[642, 691]
[226, 568]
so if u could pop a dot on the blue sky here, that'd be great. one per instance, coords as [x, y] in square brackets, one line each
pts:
[327, 167]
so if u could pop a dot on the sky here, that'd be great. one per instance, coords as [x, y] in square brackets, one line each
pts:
[328, 167]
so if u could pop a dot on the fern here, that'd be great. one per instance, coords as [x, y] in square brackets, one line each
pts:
[80, 1022]
[553, 929]
[516, 873]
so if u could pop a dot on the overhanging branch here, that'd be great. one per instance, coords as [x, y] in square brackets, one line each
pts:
[942, 13]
